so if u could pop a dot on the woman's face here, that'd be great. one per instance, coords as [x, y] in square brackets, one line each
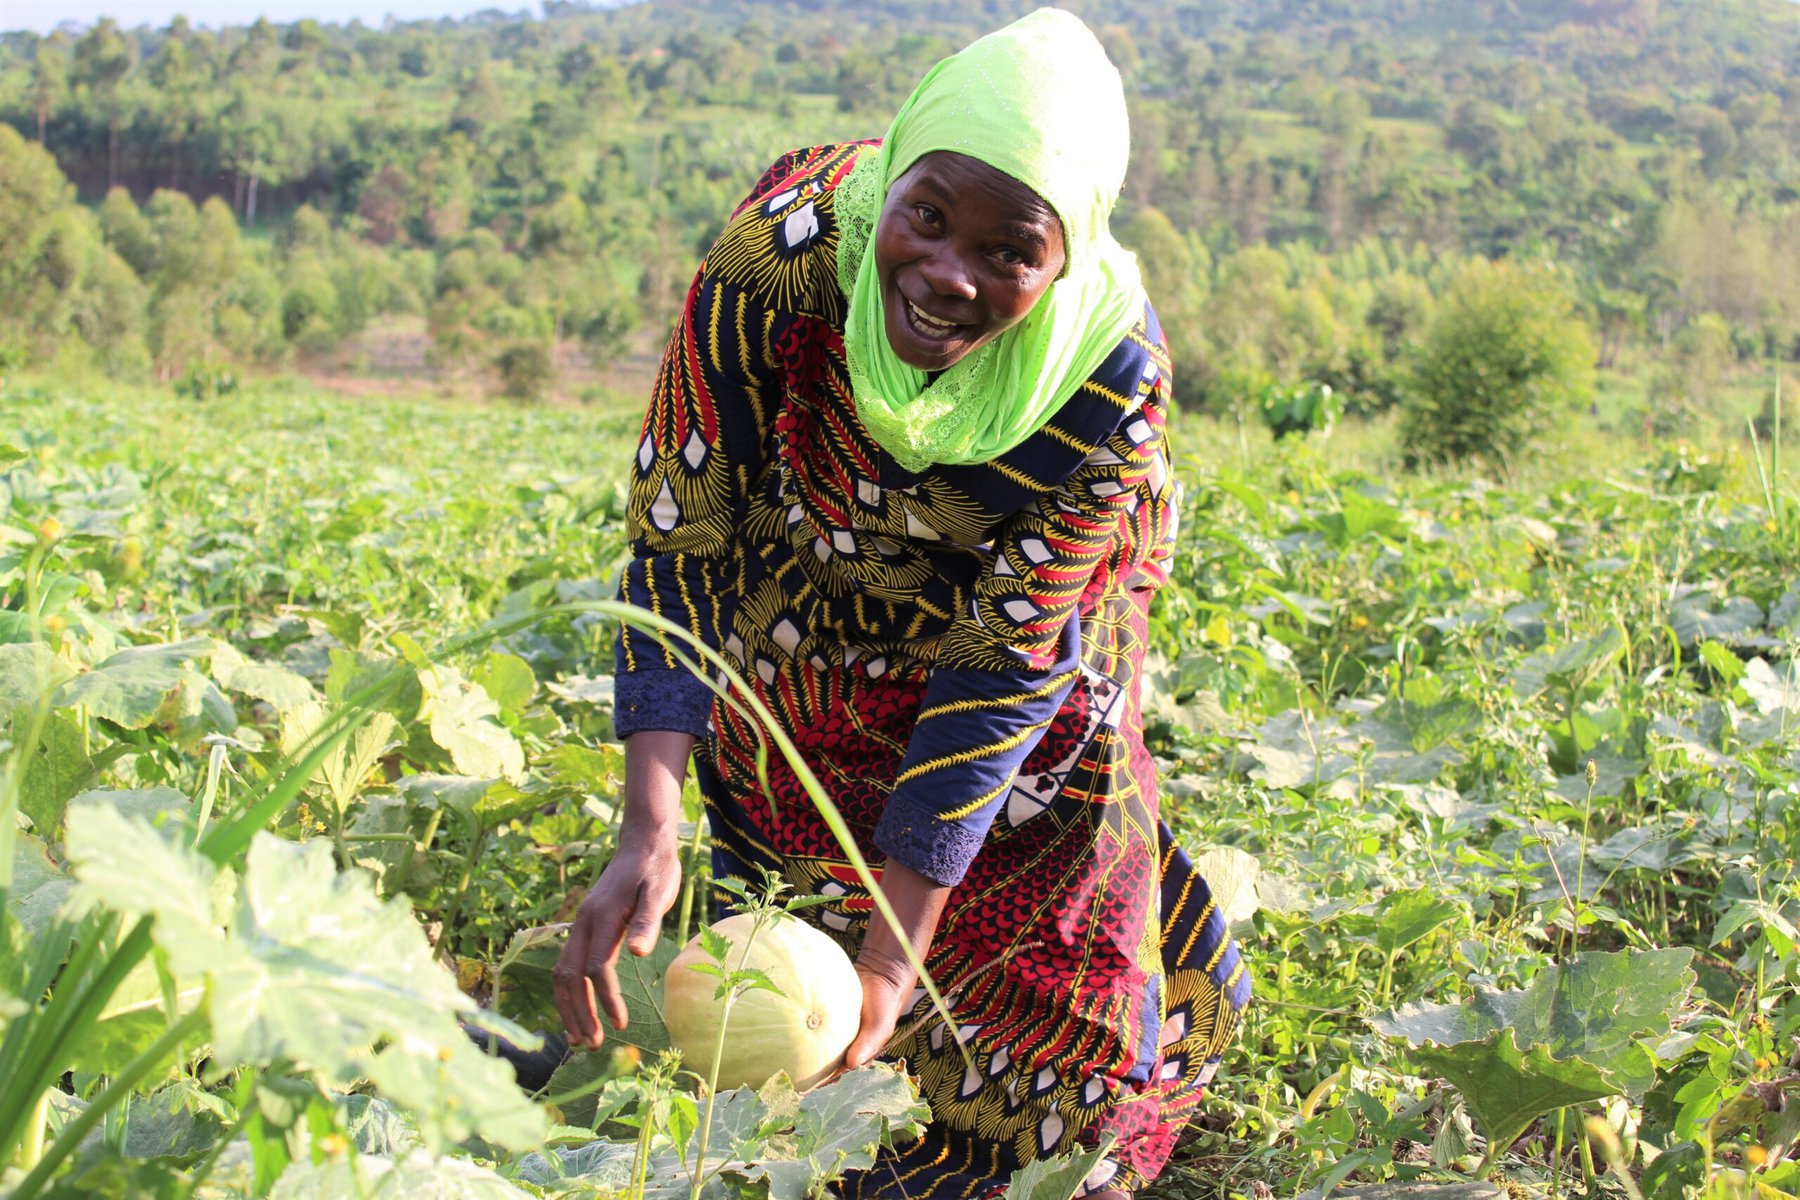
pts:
[964, 253]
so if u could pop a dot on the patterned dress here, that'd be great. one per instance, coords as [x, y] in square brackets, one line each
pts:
[957, 655]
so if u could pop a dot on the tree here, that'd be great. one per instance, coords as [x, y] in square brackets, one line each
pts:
[49, 78]
[102, 60]
[1502, 362]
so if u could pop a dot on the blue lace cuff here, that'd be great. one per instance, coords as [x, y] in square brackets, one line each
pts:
[662, 699]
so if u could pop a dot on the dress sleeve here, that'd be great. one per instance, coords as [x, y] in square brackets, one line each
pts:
[1008, 662]
[702, 440]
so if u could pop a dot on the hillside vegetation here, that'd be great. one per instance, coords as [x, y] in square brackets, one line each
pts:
[1308, 179]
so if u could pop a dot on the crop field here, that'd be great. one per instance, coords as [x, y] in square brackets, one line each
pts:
[308, 753]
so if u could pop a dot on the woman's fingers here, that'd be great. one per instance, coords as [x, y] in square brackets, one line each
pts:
[603, 959]
[574, 1000]
[584, 975]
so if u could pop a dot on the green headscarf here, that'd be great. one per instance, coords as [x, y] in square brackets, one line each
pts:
[1040, 101]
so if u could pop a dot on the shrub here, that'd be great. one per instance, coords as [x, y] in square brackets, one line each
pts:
[1504, 359]
[525, 370]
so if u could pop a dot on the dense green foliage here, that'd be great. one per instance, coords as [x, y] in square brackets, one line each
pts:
[1502, 364]
[1505, 775]
[1306, 175]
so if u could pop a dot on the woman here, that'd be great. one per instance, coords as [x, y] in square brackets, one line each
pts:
[904, 466]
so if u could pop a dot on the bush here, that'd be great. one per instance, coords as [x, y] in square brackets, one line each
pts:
[526, 371]
[1504, 359]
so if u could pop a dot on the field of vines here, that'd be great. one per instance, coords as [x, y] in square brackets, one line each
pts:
[308, 753]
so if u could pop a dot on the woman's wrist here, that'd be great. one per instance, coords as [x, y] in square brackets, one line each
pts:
[918, 903]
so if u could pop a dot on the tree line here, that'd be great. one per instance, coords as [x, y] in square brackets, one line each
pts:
[1308, 176]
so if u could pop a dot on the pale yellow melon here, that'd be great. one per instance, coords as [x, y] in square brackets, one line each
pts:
[803, 1031]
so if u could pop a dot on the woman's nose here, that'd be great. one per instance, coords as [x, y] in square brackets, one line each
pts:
[948, 276]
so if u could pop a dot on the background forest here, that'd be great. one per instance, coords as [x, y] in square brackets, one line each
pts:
[520, 201]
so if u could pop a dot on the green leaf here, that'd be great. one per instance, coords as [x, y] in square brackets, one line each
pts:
[1577, 1033]
[346, 769]
[39, 885]
[57, 769]
[122, 862]
[418, 1176]
[29, 673]
[354, 672]
[312, 967]
[278, 686]
[1232, 875]
[1059, 1178]
[839, 1127]
[1568, 668]
[524, 989]
[1773, 691]
[790, 1147]
[135, 1016]
[508, 680]
[465, 722]
[141, 686]
[456, 793]
[640, 984]
[1406, 917]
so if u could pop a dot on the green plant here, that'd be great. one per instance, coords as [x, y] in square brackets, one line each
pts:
[1504, 360]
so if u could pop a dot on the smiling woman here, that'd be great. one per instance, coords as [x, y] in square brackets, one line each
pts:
[904, 467]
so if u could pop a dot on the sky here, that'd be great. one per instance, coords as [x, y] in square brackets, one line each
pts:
[42, 16]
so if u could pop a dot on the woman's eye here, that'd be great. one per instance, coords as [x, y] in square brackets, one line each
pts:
[1010, 257]
[927, 215]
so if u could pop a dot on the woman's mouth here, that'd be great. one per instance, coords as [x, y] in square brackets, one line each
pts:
[928, 326]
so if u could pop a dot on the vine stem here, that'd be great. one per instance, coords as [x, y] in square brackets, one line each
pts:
[121, 1087]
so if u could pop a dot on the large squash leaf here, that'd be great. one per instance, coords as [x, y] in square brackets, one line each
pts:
[305, 964]
[1581, 1031]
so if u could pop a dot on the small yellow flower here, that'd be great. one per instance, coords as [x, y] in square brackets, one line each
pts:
[49, 529]
[1756, 1156]
[334, 1144]
[443, 1054]
[1359, 621]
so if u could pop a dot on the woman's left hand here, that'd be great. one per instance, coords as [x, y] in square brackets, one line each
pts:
[886, 988]
[887, 975]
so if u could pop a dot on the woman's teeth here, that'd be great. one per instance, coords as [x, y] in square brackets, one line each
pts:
[929, 323]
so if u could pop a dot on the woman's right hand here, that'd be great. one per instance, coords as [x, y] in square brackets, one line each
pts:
[625, 908]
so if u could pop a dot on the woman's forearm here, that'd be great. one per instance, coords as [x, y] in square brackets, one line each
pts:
[656, 763]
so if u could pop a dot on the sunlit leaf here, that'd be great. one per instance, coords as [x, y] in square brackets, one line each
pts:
[39, 885]
[278, 686]
[465, 722]
[140, 686]
[1060, 1178]
[1567, 668]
